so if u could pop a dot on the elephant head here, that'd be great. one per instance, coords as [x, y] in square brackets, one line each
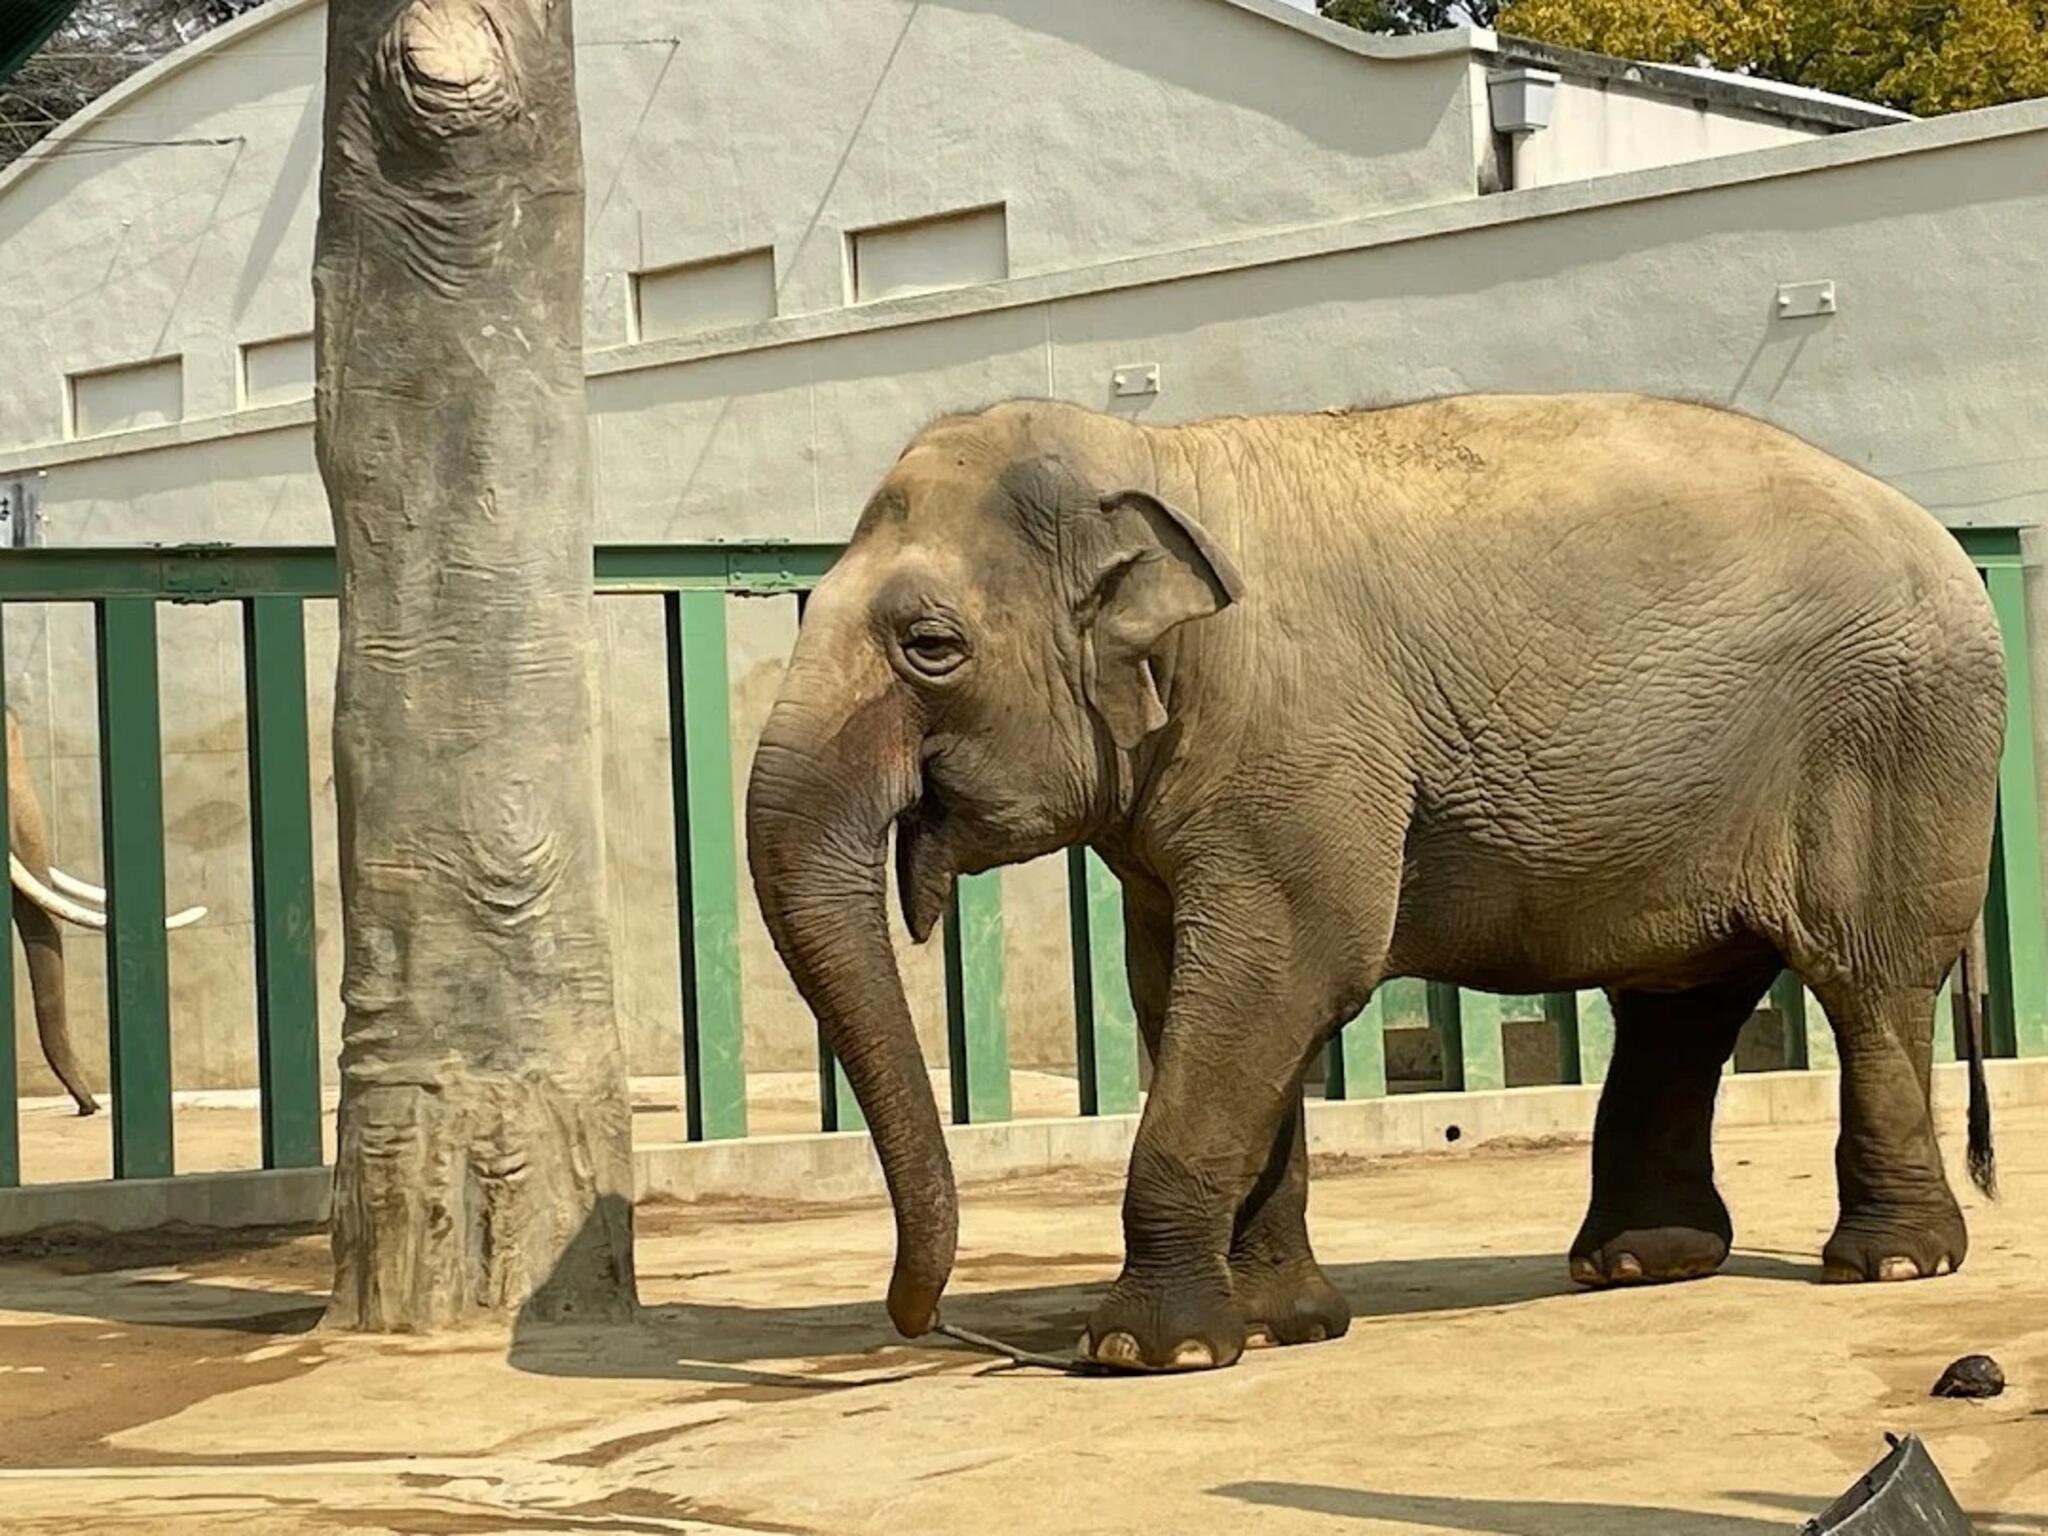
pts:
[976, 675]
[42, 894]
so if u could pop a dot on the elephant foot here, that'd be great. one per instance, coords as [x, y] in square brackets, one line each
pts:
[1650, 1256]
[1295, 1304]
[1164, 1325]
[1893, 1245]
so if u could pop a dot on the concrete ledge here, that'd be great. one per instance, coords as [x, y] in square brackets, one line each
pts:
[843, 1167]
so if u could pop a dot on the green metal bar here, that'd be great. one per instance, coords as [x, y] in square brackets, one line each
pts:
[1562, 1009]
[707, 867]
[1105, 1023]
[838, 1109]
[1788, 996]
[1473, 1059]
[1945, 1021]
[10, 1087]
[132, 829]
[977, 1039]
[1596, 1035]
[2019, 961]
[202, 573]
[1356, 1067]
[281, 857]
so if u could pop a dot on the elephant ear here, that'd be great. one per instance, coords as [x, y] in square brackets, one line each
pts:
[1150, 568]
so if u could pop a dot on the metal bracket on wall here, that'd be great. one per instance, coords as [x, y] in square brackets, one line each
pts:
[1135, 379]
[1799, 301]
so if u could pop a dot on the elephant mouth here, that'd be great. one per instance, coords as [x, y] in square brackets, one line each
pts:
[925, 869]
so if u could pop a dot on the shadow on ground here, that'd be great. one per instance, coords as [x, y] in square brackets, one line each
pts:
[688, 1340]
[701, 1341]
[1501, 1517]
[1544, 1517]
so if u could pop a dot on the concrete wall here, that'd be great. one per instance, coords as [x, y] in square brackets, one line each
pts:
[1598, 128]
[1659, 280]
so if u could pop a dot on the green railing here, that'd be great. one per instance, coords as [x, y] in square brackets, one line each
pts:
[694, 583]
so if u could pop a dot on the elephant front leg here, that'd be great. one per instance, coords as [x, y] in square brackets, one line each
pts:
[1655, 1214]
[1282, 1293]
[1280, 1290]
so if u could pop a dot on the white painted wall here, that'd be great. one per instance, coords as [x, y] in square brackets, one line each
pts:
[1598, 128]
[1274, 220]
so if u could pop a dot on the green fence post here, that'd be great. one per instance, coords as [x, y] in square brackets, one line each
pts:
[838, 1109]
[707, 866]
[132, 831]
[1945, 1021]
[1788, 997]
[1470, 1027]
[281, 849]
[1596, 1034]
[2019, 942]
[1562, 1010]
[977, 1039]
[1105, 1024]
[1356, 1067]
[10, 1088]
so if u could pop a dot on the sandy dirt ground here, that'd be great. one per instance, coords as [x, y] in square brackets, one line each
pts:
[212, 1132]
[180, 1384]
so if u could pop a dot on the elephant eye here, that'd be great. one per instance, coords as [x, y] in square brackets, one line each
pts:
[933, 649]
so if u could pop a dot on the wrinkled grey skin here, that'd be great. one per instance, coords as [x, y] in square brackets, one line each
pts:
[1520, 693]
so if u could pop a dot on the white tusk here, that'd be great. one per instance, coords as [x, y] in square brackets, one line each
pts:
[71, 885]
[49, 900]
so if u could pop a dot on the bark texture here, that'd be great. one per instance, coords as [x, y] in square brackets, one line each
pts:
[484, 1167]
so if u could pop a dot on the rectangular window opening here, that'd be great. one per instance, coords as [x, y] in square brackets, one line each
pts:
[695, 296]
[126, 397]
[948, 250]
[278, 370]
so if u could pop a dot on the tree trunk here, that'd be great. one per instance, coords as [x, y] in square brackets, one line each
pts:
[485, 1161]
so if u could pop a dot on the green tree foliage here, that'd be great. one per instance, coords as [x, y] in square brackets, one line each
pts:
[98, 46]
[1922, 56]
[1410, 15]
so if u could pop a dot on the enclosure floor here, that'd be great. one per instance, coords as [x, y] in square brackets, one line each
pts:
[215, 1131]
[161, 1385]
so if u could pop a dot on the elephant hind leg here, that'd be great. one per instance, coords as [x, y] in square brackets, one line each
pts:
[43, 943]
[1655, 1214]
[1899, 1219]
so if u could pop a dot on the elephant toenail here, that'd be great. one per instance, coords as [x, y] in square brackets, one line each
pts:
[1119, 1349]
[1897, 1269]
[1084, 1347]
[1586, 1272]
[1317, 1333]
[1840, 1274]
[1258, 1336]
[1942, 1266]
[1627, 1267]
[1193, 1356]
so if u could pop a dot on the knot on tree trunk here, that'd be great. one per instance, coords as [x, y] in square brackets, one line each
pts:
[448, 64]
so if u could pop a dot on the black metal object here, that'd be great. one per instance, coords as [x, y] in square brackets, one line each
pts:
[1903, 1495]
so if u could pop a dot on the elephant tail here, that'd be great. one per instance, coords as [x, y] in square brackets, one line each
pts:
[1972, 973]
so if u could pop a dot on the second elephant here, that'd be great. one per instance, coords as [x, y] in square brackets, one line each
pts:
[43, 894]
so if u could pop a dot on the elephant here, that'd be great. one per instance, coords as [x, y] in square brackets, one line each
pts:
[44, 893]
[1518, 692]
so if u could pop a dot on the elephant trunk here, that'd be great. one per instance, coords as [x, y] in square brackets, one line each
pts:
[833, 773]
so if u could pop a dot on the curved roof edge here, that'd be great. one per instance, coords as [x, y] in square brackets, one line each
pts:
[1350, 39]
[146, 79]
